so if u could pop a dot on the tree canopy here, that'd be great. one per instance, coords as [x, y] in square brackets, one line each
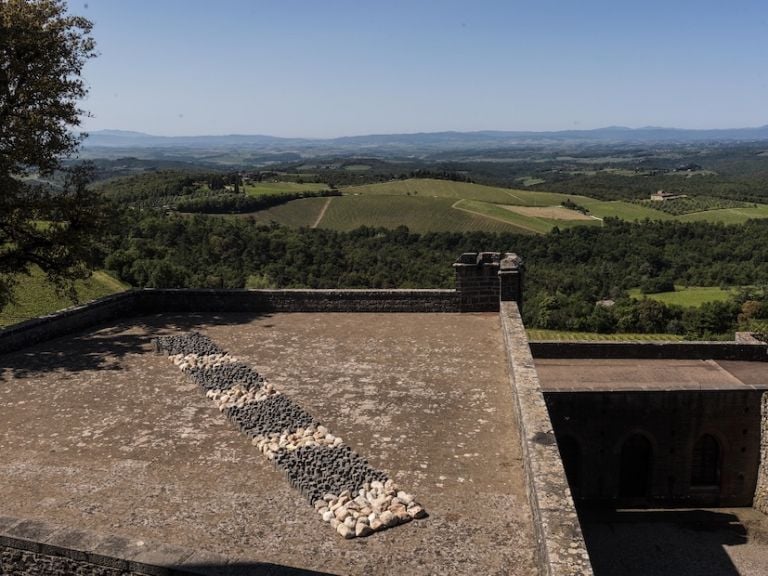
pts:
[42, 53]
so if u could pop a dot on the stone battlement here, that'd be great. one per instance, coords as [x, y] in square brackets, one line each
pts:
[483, 279]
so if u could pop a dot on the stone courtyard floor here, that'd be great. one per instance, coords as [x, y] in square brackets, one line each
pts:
[99, 433]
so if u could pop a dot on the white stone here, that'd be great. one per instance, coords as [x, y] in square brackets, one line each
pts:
[377, 524]
[404, 497]
[387, 518]
[417, 512]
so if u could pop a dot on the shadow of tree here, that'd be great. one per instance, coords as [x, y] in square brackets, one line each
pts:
[661, 542]
[103, 348]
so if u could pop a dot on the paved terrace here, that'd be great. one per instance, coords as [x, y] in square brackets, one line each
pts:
[622, 375]
[99, 433]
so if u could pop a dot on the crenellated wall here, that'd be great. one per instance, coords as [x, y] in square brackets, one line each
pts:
[483, 279]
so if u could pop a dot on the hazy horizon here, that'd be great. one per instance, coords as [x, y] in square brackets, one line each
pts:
[222, 134]
[342, 68]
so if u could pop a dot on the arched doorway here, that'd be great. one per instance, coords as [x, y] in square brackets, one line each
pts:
[705, 464]
[570, 452]
[636, 466]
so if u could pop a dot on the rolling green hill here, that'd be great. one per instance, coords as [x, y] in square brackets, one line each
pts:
[296, 214]
[418, 213]
[36, 297]
[430, 187]
[425, 204]
[727, 215]
[261, 188]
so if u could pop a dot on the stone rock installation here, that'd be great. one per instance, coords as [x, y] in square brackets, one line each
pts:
[347, 492]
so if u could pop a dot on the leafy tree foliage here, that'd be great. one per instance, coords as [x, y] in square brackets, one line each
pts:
[568, 273]
[42, 52]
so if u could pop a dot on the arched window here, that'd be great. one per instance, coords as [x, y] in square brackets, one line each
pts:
[636, 465]
[705, 465]
[570, 452]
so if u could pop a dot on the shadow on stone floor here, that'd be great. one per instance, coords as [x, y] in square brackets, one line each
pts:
[102, 347]
[661, 542]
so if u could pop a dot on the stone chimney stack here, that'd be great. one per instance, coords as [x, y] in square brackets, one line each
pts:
[484, 279]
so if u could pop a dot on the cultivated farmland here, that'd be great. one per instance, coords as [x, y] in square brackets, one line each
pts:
[425, 205]
[417, 213]
[261, 188]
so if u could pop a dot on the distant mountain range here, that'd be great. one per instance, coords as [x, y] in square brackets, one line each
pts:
[425, 141]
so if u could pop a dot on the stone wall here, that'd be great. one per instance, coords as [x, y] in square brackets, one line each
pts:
[481, 281]
[24, 563]
[754, 352]
[150, 301]
[261, 301]
[477, 281]
[593, 427]
[761, 490]
[560, 543]
[35, 547]
[67, 321]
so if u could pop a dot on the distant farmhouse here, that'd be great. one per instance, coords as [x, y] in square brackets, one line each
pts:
[662, 196]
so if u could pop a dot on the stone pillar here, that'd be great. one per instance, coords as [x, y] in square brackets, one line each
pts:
[477, 281]
[511, 279]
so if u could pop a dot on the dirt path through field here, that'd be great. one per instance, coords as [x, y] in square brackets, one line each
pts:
[515, 197]
[322, 212]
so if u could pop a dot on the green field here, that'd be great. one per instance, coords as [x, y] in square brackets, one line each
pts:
[432, 188]
[690, 296]
[540, 334]
[619, 209]
[262, 188]
[296, 214]
[418, 213]
[425, 204]
[727, 215]
[35, 297]
[537, 224]
[513, 197]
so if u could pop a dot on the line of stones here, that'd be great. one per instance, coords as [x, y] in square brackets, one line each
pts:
[352, 496]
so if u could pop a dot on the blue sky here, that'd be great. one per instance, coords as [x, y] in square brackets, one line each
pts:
[324, 68]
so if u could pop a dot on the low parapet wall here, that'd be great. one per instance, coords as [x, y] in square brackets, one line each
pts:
[67, 321]
[151, 301]
[190, 300]
[560, 543]
[753, 352]
[30, 547]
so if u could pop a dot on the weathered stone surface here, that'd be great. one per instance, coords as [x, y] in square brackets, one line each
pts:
[172, 469]
[559, 534]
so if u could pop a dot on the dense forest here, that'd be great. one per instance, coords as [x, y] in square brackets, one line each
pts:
[568, 272]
